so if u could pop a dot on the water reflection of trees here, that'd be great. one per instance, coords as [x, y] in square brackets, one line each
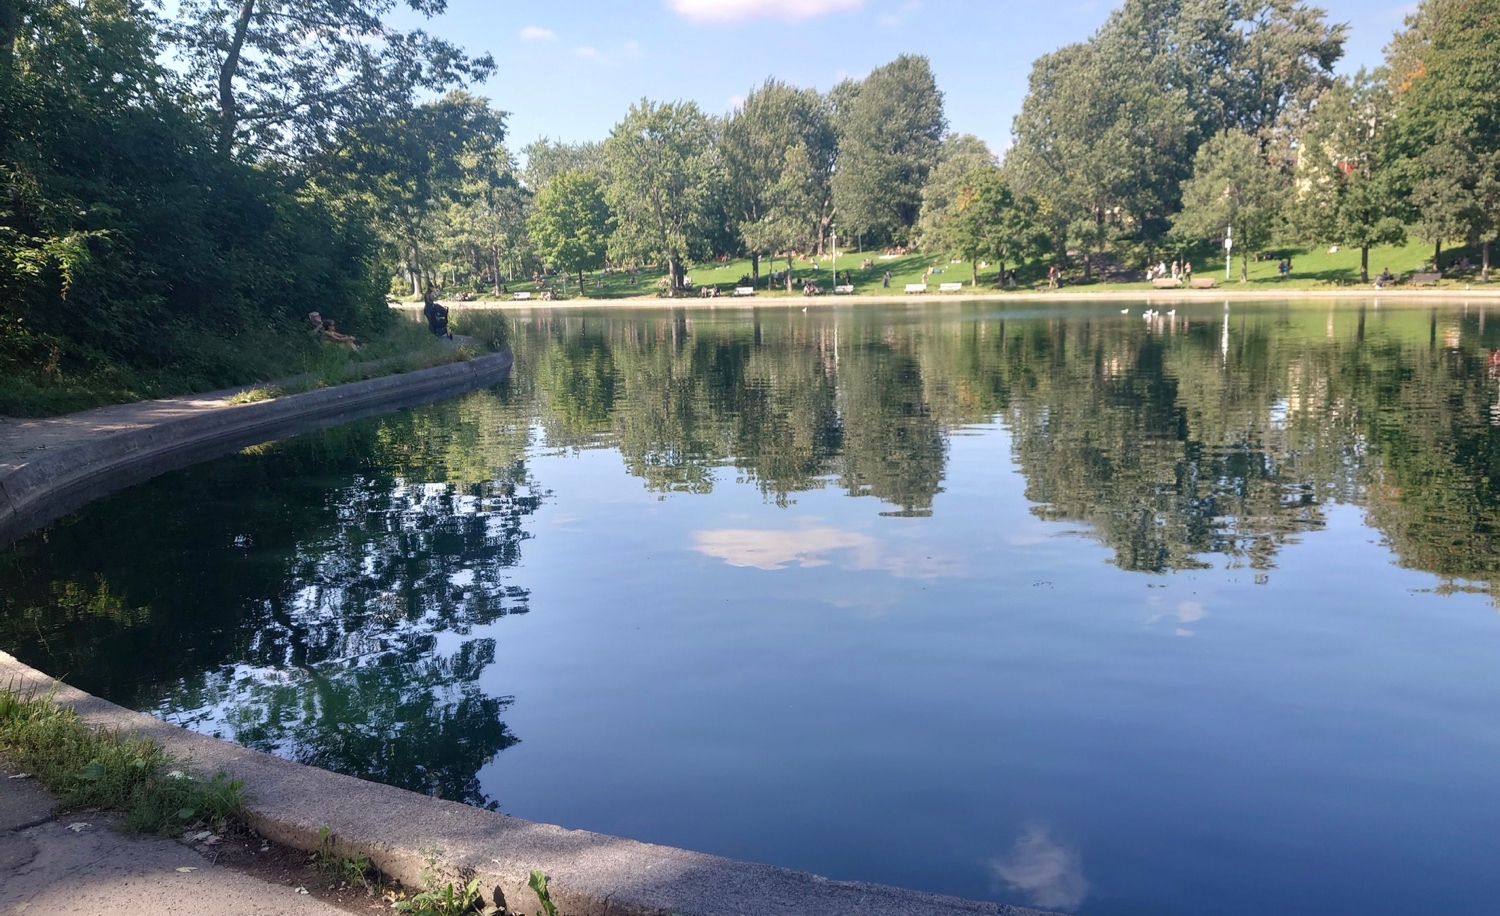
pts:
[330, 618]
[1216, 434]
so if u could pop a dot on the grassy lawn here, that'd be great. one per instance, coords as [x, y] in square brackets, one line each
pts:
[1312, 268]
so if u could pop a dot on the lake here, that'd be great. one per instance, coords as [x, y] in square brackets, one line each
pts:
[1062, 607]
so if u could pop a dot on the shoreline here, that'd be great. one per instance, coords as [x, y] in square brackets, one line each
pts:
[1395, 297]
[53, 465]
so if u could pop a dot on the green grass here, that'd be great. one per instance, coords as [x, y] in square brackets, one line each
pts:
[403, 347]
[1313, 267]
[85, 767]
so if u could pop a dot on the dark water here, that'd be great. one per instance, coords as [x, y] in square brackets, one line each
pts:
[1061, 608]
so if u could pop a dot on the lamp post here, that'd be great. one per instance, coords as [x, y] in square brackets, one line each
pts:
[1228, 247]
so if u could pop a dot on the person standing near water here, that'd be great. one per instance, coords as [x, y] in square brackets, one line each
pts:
[886, 280]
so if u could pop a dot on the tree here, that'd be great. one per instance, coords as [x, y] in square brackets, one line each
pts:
[890, 130]
[488, 218]
[1447, 116]
[757, 140]
[790, 217]
[1459, 193]
[546, 158]
[959, 156]
[408, 168]
[287, 75]
[570, 225]
[664, 176]
[1344, 186]
[1233, 186]
[988, 223]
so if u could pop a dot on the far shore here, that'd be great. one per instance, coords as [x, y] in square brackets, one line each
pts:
[1393, 297]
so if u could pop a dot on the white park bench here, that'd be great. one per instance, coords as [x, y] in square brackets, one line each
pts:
[846, 289]
[520, 297]
[744, 290]
[950, 287]
[916, 287]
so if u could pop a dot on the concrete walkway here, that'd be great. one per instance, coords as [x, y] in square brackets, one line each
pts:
[78, 865]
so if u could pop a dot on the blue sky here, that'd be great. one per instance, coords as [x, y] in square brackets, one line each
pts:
[570, 69]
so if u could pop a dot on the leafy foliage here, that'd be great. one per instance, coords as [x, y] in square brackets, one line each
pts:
[570, 225]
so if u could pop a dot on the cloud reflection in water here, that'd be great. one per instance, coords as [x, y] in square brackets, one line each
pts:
[812, 545]
[1049, 873]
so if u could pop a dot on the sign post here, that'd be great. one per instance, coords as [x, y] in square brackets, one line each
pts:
[1228, 247]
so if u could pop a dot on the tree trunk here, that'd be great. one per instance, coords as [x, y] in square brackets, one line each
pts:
[789, 270]
[974, 272]
[580, 281]
[1484, 260]
[227, 116]
[754, 267]
[1245, 265]
[1437, 256]
[495, 266]
[1364, 263]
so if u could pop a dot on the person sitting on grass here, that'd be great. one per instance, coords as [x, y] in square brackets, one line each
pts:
[1385, 279]
[331, 334]
[316, 322]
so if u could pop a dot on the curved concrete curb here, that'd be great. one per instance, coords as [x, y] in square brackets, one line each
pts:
[51, 483]
[591, 874]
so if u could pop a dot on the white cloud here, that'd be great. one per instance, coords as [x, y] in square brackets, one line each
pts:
[736, 102]
[589, 51]
[537, 33]
[736, 10]
[633, 50]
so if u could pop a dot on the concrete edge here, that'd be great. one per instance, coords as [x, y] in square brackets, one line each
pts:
[53, 484]
[590, 874]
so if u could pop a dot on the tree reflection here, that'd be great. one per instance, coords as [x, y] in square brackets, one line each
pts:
[331, 617]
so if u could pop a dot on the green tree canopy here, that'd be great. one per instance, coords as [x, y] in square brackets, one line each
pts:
[570, 225]
[890, 128]
[664, 176]
[286, 75]
[1233, 186]
[757, 149]
[1344, 189]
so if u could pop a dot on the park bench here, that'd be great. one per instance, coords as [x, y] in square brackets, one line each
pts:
[744, 290]
[1425, 279]
[846, 289]
[1204, 283]
[950, 287]
[519, 297]
[1165, 283]
[916, 287]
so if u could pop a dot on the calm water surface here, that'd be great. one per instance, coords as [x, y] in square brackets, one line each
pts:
[1066, 608]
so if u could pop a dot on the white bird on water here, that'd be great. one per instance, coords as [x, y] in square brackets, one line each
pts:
[1171, 313]
[1124, 311]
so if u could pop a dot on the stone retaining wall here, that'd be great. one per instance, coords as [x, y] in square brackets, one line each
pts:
[56, 482]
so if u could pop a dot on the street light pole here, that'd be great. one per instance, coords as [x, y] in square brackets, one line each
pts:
[1228, 249]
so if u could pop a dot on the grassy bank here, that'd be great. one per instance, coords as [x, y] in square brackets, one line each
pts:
[284, 362]
[84, 767]
[1312, 269]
